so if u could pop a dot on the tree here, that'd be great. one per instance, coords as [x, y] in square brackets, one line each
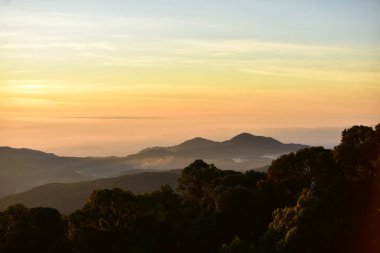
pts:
[309, 226]
[238, 213]
[338, 208]
[106, 223]
[310, 168]
[39, 230]
[195, 180]
[358, 156]
[119, 221]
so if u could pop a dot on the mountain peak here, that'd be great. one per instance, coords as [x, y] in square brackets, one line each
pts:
[250, 138]
[197, 140]
[243, 136]
[195, 143]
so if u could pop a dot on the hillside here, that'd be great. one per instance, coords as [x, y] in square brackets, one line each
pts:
[23, 169]
[67, 197]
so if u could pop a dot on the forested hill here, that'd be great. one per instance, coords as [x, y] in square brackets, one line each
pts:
[314, 200]
[68, 197]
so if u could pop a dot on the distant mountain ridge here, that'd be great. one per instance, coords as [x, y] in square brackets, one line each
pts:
[15, 153]
[23, 169]
[261, 145]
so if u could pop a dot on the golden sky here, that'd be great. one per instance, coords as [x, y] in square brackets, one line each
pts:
[224, 66]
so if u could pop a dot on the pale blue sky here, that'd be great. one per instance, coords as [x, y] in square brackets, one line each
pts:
[337, 22]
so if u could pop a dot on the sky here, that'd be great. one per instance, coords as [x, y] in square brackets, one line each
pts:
[80, 77]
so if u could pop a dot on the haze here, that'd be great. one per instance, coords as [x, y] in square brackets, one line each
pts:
[112, 77]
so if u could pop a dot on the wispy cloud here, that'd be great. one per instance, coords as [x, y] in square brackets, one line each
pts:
[70, 45]
[250, 56]
[156, 41]
[226, 47]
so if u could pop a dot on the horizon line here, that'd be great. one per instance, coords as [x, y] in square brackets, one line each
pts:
[112, 117]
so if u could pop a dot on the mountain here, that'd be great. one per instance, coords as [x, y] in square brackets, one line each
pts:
[23, 169]
[242, 152]
[68, 197]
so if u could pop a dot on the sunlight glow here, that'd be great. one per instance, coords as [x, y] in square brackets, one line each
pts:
[32, 88]
[237, 68]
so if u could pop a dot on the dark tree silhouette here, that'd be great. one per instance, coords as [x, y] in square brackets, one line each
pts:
[37, 230]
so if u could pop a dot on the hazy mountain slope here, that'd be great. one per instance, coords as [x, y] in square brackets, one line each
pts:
[23, 169]
[71, 196]
[242, 152]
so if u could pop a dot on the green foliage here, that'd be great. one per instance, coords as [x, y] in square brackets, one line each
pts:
[195, 179]
[37, 230]
[302, 228]
[359, 153]
[311, 168]
[118, 221]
